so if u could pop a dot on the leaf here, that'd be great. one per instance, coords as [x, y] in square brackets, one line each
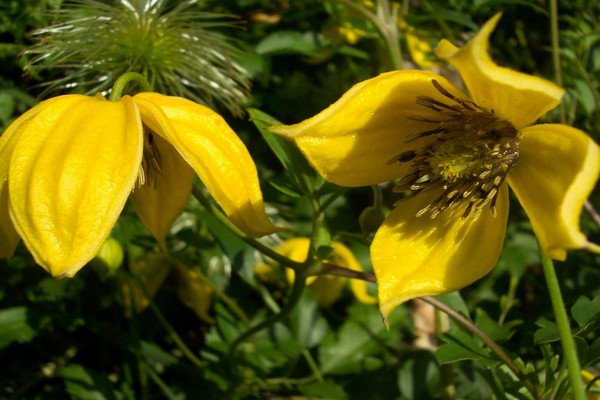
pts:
[288, 154]
[547, 333]
[584, 310]
[490, 327]
[290, 42]
[15, 325]
[326, 390]
[306, 322]
[460, 346]
[85, 384]
[350, 349]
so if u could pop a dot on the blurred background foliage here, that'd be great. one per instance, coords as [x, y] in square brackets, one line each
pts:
[136, 325]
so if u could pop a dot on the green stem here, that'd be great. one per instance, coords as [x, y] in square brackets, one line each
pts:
[267, 251]
[297, 289]
[386, 25]
[333, 269]
[556, 53]
[123, 80]
[167, 326]
[505, 358]
[564, 329]
[442, 325]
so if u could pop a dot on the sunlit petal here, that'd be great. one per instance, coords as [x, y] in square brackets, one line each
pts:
[215, 152]
[557, 170]
[418, 256]
[159, 203]
[70, 175]
[9, 237]
[515, 96]
[351, 142]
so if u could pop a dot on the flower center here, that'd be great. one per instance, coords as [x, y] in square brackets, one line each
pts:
[466, 156]
[151, 166]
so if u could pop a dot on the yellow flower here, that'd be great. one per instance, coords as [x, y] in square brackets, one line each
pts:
[419, 50]
[457, 155]
[327, 287]
[594, 392]
[68, 165]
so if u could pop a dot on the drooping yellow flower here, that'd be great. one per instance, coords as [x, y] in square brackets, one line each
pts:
[68, 165]
[458, 155]
[327, 288]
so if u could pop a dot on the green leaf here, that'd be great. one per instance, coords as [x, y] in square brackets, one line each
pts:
[291, 42]
[547, 333]
[306, 322]
[85, 384]
[455, 301]
[325, 390]
[490, 327]
[288, 154]
[460, 346]
[15, 326]
[350, 349]
[584, 310]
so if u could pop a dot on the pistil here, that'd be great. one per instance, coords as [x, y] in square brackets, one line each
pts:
[467, 155]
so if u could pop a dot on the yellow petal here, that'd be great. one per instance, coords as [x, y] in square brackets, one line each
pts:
[160, 204]
[344, 257]
[214, 151]
[517, 97]
[557, 169]
[418, 256]
[9, 237]
[70, 175]
[351, 142]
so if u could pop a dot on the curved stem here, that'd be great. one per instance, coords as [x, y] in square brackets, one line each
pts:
[267, 251]
[333, 269]
[386, 25]
[505, 358]
[297, 289]
[123, 80]
[377, 197]
[167, 326]
[564, 329]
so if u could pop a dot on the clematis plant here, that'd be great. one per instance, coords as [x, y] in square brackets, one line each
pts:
[453, 156]
[327, 288]
[68, 166]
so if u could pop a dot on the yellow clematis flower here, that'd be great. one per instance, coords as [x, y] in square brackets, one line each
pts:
[68, 165]
[458, 155]
[327, 288]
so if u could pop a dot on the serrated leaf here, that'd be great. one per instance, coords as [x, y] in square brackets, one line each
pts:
[306, 322]
[490, 327]
[460, 346]
[584, 310]
[349, 349]
[85, 384]
[15, 327]
[547, 333]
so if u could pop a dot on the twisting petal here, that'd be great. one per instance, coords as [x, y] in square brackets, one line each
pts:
[70, 175]
[515, 96]
[418, 256]
[351, 142]
[557, 170]
[160, 202]
[214, 151]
